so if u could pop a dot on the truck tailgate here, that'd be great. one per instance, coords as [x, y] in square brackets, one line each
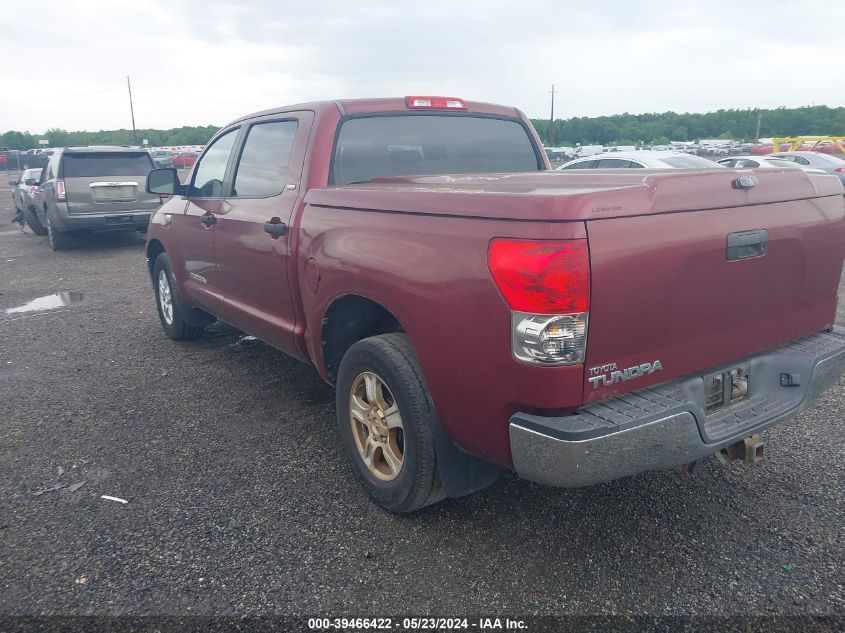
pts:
[665, 286]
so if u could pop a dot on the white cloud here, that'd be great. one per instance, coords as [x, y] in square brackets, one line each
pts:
[211, 61]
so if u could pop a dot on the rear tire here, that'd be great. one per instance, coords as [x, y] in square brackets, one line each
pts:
[384, 415]
[177, 320]
[33, 222]
[58, 240]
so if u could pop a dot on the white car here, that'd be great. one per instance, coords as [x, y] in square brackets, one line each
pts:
[643, 159]
[765, 162]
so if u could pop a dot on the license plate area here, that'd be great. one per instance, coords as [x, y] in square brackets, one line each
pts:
[724, 388]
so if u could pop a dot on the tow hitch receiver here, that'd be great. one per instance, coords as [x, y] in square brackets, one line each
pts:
[749, 450]
[753, 449]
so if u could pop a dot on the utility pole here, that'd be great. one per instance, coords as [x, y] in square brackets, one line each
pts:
[132, 111]
[759, 119]
[552, 120]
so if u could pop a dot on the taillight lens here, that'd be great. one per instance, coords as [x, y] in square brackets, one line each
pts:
[542, 277]
[61, 196]
[840, 170]
[547, 287]
[32, 190]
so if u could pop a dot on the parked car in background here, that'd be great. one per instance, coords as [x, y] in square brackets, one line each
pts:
[183, 160]
[560, 153]
[23, 194]
[588, 150]
[647, 159]
[93, 188]
[831, 164]
[765, 162]
[162, 158]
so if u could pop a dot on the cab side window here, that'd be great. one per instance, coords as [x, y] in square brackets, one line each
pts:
[263, 165]
[47, 173]
[208, 176]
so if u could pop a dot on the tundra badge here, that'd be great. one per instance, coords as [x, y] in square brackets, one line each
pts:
[610, 374]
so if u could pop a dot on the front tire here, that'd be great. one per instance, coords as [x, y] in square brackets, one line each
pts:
[178, 321]
[384, 415]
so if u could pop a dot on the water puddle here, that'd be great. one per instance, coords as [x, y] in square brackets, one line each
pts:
[50, 302]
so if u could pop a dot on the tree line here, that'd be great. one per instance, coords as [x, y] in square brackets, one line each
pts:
[189, 135]
[619, 129]
[661, 128]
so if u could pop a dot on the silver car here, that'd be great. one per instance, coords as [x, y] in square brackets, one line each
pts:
[765, 162]
[833, 165]
[643, 159]
[24, 190]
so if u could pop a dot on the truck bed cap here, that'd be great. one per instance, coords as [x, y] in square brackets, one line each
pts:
[558, 196]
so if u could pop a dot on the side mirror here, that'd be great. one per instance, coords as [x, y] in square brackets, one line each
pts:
[165, 182]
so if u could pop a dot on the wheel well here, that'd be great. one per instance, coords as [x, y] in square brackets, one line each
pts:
[154, 249]
[349, 319]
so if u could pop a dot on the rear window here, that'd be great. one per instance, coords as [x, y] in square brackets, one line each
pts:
[690, 162]
[106, 164]
[418, 145]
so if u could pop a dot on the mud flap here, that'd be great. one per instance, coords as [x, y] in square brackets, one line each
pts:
[460, 473]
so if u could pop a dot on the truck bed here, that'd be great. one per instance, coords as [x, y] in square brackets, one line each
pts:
[662, 286]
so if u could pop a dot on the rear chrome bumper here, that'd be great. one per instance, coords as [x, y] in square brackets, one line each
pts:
[665, 426]
[116, 221]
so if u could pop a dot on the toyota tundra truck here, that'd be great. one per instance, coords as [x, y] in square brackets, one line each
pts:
[477, 312]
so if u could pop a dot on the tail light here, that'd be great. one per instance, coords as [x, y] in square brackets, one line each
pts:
[547, 287]
[840, 170]
[435, 103]
[61, 196]
[32, 190]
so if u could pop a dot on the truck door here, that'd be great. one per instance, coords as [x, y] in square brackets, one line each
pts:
[193, 263]
[253, 241]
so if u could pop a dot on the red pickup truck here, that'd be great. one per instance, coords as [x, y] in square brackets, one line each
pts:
[478, 312]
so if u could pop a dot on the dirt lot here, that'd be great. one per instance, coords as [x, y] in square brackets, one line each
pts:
[240, 501]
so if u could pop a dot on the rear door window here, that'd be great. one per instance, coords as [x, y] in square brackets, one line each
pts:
[263, 167]
[106, 164]
[427, 144]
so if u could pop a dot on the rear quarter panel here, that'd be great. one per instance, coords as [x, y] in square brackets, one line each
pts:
[431, 273]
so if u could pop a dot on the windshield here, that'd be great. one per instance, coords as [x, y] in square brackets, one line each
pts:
[413, 145]
[690, 162]
[104, 164]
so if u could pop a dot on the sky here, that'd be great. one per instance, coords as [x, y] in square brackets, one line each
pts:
[208, 62]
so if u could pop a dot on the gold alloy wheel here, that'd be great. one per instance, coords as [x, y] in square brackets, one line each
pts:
[377, 426]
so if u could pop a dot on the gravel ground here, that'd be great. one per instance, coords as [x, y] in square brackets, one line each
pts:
[240, 501]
